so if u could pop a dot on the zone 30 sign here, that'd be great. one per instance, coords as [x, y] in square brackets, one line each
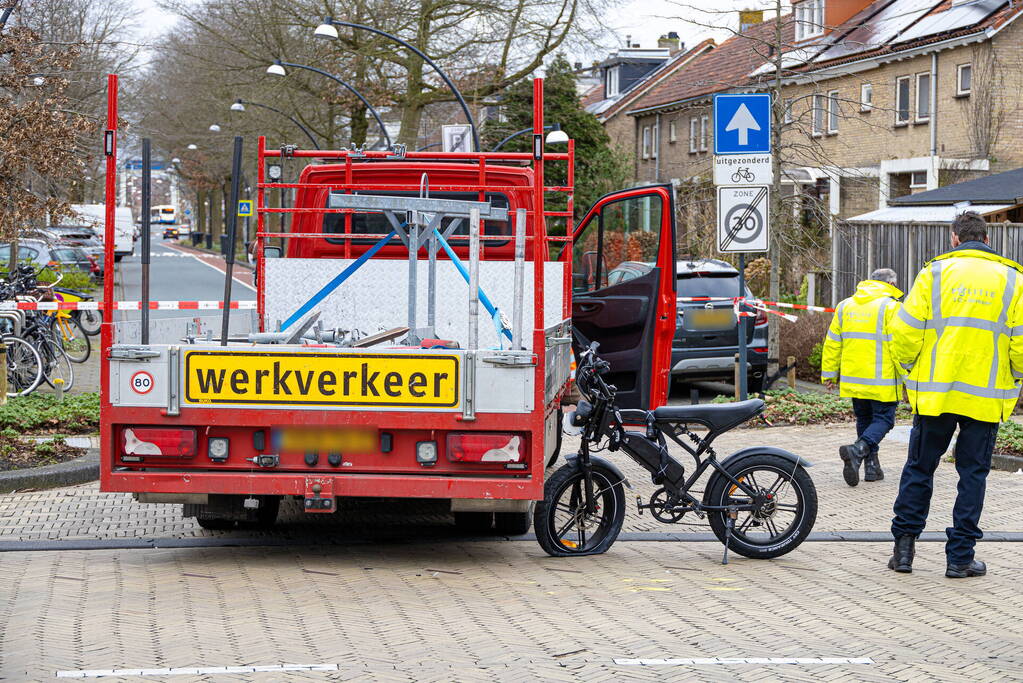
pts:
[322, 379]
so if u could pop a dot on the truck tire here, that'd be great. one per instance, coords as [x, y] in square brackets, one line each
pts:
[513, 523]
[474, 522]
[557, 440]
[266, 513]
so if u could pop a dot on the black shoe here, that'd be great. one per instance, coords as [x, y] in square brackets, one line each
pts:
[853, 455]
[962, 571]
[872, 468]
[902, 555]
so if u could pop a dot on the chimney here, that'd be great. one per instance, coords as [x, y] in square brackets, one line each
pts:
[671, 42]
[749, 18]
[628, 40]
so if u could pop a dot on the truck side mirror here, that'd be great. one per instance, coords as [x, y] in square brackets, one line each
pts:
[272, 252]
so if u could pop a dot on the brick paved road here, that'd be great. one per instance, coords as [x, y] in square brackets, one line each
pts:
[504, 611]
[83, 512]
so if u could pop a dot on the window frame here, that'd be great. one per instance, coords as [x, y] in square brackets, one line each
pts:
[909, 98]
[917, 117]
[818, 115]
[655, 139]
[866, 103]
[786, 116]
[694, 129]
[612, 76]
[959, 79]
[672, 132]
[809, 19]
[704, 125]
[646, 142]
[834, 111]
[915, 186]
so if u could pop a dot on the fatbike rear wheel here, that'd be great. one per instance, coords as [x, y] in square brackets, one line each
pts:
[562, 524]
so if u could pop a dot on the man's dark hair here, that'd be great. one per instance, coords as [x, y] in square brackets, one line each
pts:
[970, 226]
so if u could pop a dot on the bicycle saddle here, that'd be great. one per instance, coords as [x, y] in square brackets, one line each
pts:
[717, 417]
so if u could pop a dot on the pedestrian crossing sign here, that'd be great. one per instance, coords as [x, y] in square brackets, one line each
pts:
[244, 207]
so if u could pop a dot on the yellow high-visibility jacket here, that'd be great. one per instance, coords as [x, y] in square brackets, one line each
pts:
[857, 348]
[961, 330]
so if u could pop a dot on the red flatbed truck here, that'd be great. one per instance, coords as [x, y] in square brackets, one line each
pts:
[457, 403]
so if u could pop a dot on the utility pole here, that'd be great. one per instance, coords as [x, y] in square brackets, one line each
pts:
[774, 252]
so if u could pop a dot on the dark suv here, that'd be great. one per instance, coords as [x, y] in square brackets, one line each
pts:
[707, 332]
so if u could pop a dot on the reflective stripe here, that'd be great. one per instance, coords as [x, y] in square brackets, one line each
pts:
[936, 312]
[977, 323]
[1015, 331]
[872, 381]
[907, 318]
[1018, 374]
[963, 387]
[834, 337]
[871, 336]
[1003, 316]
[829, 374]
[880, 339]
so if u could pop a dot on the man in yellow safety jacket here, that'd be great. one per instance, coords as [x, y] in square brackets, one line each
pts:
[961, 332]
[857, 355]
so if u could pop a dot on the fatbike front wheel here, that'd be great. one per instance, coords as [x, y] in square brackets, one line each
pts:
[562, 524]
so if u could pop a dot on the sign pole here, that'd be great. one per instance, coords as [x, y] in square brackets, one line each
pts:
[147, 171]
[743, 356]
[232, 231]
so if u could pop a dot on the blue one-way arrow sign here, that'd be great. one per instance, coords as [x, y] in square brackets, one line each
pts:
[742, 124]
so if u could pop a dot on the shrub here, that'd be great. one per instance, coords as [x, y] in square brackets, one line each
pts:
[1010, 439]
[804, 340]
[76, 414]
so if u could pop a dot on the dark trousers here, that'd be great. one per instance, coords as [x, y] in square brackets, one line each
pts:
[874, 419]
[928, 441]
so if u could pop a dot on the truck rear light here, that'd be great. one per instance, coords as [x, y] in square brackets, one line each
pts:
[426, 453]
[484, 447]
[167, 442]
[217, 448]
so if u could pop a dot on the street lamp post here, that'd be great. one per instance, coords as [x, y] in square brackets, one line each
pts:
[327, 30]
[239, 105]
[277, 69]
[555, 136]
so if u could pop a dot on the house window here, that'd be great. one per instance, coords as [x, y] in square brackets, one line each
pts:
[788, 112]
[809, 19]
[918, 180]
[646, 142]
[833, 112]
[923, 97]
[866, 97]
[819, 111]
[902, 100]
[964, 79]
[672, 134]
[655, 140]
[694, 129]
[611, 82]
[703, 132]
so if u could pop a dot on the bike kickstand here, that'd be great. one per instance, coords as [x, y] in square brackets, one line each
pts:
[730, 517]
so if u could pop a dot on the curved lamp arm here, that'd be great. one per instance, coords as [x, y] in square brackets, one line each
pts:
[288, 116]
[383, 128]
[422, 55]
[516, 134]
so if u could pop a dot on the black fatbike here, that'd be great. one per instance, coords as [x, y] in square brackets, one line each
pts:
[760, 501]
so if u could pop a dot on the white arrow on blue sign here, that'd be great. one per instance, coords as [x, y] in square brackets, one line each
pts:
[742, 124]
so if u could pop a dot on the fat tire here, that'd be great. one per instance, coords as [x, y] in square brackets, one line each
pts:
[794, 537]
[544, 508]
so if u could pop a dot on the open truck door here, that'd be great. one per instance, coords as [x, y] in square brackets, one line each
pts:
[623, 290]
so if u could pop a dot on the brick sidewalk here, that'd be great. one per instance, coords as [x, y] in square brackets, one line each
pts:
[83, 512]
[505, 611]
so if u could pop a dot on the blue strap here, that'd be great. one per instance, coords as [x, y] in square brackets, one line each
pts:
[336, 282]
[491, 308]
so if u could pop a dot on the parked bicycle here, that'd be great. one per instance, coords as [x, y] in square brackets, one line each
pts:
[760, 501]
[89, 320]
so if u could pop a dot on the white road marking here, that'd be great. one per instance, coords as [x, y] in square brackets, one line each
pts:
[210, 265]
[195, 671]
[698, 661]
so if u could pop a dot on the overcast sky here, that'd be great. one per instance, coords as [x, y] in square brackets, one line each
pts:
[644, 20]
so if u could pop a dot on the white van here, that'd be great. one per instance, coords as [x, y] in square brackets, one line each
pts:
[94, 216]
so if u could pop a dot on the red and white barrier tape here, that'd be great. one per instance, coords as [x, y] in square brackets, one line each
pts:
[758, 305]
[124, 305]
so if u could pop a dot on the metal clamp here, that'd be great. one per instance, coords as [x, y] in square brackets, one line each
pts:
[513, 360]
[132, 353]
[557, 341]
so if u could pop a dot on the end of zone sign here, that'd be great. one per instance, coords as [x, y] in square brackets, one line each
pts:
[742, 219]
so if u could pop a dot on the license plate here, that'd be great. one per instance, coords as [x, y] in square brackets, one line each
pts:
[720, 319]
[325, 379]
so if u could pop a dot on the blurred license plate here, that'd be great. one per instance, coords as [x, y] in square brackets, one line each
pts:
[720, 319]
[291, 439]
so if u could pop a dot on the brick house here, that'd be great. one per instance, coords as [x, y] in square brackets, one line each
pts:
[882, 99]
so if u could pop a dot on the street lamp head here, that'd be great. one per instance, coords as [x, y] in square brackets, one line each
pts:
[238, 106]
[276, 69]
[214, 128]
[326, 30]
[557, 136]
[193, 147]
[38, 81]
[175, 160]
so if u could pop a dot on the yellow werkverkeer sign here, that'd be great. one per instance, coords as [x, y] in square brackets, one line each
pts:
[325, 379]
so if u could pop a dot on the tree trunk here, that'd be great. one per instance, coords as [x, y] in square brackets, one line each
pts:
[216, 217]
[359, 124]
[412, 114]
[774, 251]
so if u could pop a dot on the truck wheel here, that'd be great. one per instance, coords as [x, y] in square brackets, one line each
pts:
[474, 522]
[266, 513]
[513, 523]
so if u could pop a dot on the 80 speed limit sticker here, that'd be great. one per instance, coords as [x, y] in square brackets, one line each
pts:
[141, 382]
